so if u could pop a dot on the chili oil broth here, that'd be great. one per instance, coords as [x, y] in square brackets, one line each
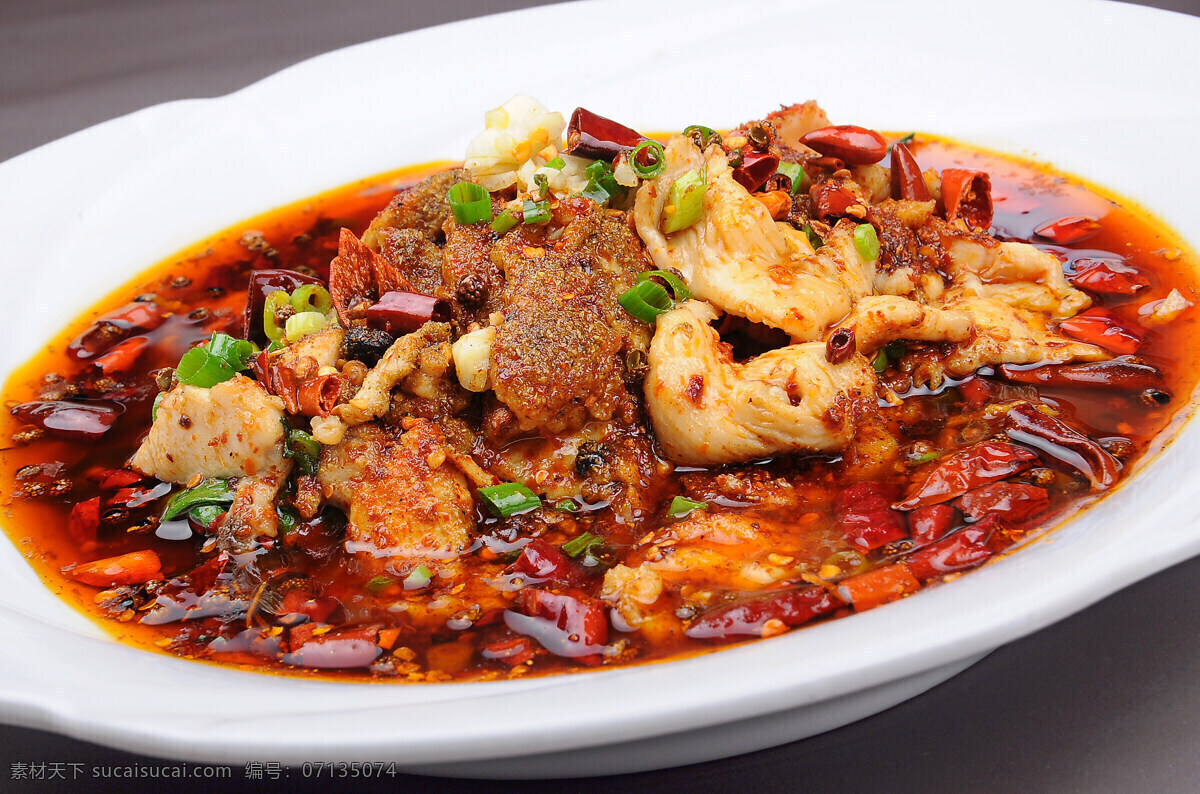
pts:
[212, 275]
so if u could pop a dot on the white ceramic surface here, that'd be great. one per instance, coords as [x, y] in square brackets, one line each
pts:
[83, 213]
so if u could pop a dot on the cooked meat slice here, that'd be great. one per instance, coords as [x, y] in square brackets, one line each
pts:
[558, 359]
[471, 277]
[406, 501]
[422, 207]
[742, 261]
[252, 513]
[879, 319]
[324, 347]
[707, 409]
[1003, 335]
[416, 258]
[1019, 274]
[234, 429]
[792, 122]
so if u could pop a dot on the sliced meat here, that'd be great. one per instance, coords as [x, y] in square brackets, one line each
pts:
[234, 429]
[414, 257]
[422, 207]
[405, 499]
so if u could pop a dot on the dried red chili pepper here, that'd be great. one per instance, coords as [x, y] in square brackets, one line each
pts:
[975, 391]
[878, 586]
[338, 649]
[840, 347]
[84, 522]
[963, 471]
[513, 651]
[967, 194]
[1105, 277]
[404, 312]
[112, 479]
[598, 138]
[1103, 328]
[136, 567]
[907, 181]
[1015, 502]
[1119, 373]
[1065, 231]
[262, 284]
[114, 327]
[747, 618]
[1057, 439]
[566, 624]
[543, 562]
[829, 199]
[847, 142]
[864, 513]
[756, 168]
[122, 356]
[932, 522]
[966, 548]
[357, 273]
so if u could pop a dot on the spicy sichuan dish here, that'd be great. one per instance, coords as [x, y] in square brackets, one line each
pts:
[597, 399]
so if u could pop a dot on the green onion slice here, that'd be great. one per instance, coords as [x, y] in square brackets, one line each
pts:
[417, 578]
[678, 288]
[206, 515]
[581, 544]
[535, 211]
[556, 163]
[311, 298]
[658, 159]
[794, 172]
[287, 519]
[379, 583]
[881, 362]
[154, 406]
[646, 300]
[814, 239]
[200, 368]
[208, 492]
[566, 506]
[681, 506]
[687, 200]
[602, 185]
[470, 203]
[866, 240]
[274, 302]
[509, 499]
[304, 449]
[895, 349]
[928, 456]
[302, 324]
[504, 221]
[542, 182]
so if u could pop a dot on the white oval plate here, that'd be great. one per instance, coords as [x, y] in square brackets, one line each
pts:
[143, 186]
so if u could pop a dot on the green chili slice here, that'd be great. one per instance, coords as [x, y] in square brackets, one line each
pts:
[208, 492]
[509, 499]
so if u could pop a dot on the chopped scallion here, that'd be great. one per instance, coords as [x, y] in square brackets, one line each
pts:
[678, 288]
[535, 211]
[208, 492]
[814, 239]
[866, 241]
[504, 221]
[378, 584]
[653, 151]
[154, 406]
[542, 182]
[207, 515]
[302, 324]
[215, 361]
[286, 519]
[508, 499]
[926, 458]
[880, 364]
[470, 203]
[794, 172]
[581, 544]
[304, 449]
[556, 163]
[311, 298]
[646, 300]
[566, 506]
[417, 578]
[685, 204]
[681, 507]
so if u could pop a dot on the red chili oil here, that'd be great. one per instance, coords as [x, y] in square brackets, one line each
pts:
[202, 290]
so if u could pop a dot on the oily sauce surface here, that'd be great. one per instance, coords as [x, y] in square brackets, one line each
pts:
[793, 500]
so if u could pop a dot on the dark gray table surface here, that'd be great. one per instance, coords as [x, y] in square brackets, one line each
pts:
[1107, 700]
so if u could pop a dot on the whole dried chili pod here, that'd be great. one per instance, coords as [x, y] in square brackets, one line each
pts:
[967, 194]
[907, 181]
[1119, 373]
[117, 325]
[749, 618]
[73, 420]
[404, 312]
[598, 138]
[1057, 439]
[851, 144]
[756, 168]
[831, 200]
[840, 346]
[978, 464]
